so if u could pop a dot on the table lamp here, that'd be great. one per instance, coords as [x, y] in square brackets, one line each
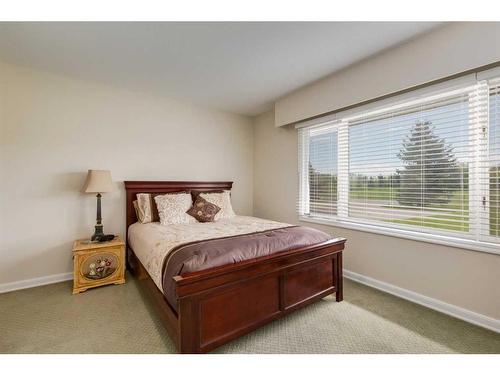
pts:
[98, 182]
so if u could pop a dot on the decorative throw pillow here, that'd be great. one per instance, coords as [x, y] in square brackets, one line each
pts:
[173, 208]
[203, 211]
[195, 193]
[136, 208]
[222, 200]
[146, 208]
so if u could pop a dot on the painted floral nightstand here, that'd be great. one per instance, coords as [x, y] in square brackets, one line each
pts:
[97, 264]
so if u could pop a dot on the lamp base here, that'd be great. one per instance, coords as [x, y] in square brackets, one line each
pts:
[98, 233]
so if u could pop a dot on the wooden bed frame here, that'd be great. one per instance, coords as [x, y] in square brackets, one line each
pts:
[220, 304]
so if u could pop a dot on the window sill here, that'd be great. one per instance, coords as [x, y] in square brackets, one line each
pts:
[461, 243]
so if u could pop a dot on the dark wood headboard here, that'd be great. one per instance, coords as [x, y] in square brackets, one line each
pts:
[158, 187]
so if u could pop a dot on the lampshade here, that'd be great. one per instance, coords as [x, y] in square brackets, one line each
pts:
[98, 182]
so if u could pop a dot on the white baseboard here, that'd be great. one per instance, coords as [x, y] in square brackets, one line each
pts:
[38, 281]
[446, 308]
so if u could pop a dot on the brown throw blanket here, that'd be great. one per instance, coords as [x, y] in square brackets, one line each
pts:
[200, 255]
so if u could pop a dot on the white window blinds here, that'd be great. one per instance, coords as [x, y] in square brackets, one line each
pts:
[319, 148]
[490, 218]
[429, 165]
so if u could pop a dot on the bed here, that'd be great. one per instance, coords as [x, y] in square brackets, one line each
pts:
[263, 270]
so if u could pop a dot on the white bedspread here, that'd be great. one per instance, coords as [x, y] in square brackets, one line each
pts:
[152, 242]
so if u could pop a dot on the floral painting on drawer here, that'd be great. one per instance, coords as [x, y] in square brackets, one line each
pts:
[99, 266]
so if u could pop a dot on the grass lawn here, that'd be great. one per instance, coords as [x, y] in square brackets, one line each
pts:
[374, 193]
[448, 218]
[455, 222]
[458, 199]
[443, 219]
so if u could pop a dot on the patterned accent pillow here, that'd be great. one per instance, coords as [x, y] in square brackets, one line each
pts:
[195, 193]
[146, 208]
[203, 211]
[173, 208]
[222, 200]
[136, 208]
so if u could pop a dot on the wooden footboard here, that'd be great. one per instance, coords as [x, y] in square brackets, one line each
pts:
[223, 303]
[220, 305]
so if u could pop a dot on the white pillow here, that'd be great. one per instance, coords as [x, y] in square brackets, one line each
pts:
[143, 208]
[222, 200]
[172, 208]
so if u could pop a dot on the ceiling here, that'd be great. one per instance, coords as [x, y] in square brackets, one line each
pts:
[241, 67]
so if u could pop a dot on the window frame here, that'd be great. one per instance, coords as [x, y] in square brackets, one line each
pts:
[472, 240]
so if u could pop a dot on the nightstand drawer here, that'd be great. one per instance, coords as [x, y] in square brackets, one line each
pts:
[98, 265]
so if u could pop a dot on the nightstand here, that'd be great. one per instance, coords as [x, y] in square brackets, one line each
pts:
[97, 264]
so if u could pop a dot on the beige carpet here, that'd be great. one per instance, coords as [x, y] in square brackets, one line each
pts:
[116, 319]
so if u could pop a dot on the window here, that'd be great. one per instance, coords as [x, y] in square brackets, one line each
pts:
[427, 167]
[321, 150]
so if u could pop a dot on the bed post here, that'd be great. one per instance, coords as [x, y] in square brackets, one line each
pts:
[189, 325]
[339, 295]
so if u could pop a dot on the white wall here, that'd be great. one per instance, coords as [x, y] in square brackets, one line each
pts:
[464, 278]
[447, 50]
[54, 128]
